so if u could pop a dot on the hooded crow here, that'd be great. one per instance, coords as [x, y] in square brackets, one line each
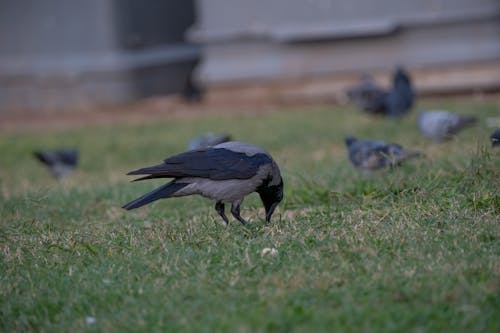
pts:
[442, 125]
[60, 162]
[396, 102]
[495, 138]
[373, 155]
[208, 140]
[225, 173]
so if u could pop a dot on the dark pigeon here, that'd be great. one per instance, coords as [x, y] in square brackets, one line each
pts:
[226, 173]
[60, 162]
[441, 125]
[396, 102]
[495, 138]
[373, 155]
[401, 97]
[208, 140]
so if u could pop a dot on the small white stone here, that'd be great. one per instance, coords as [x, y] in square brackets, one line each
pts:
[90, 320]
[269, 250]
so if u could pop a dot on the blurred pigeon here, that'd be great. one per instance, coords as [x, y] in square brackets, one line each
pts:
[442, 125]
[372, 155]
[227, 172]
[396, 102]
[367, 96]
[401, 97]
[495, 138]
[60, 162]
[208, 140]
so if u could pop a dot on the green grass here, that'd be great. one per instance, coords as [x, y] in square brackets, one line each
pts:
[412, 250]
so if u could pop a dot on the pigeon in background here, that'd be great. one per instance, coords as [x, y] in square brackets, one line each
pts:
[495, 138]
[373, 155]
[208, 140]
[226, 173]
[401, 97]
[367, 96]
[441, 125]
[396, 102]
[60, 162]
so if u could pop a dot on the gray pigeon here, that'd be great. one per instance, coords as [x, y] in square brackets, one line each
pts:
[367, 95]
[442, 125]
[373, 155]
[60, 162]
[225, 173]
[495, 138]
[395, 102]
[208, 140]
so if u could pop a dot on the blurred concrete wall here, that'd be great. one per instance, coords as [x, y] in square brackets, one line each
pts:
[276, 39]
[67, 54]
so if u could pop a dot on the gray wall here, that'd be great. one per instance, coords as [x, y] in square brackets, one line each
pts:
[59, 54]
[300, 38]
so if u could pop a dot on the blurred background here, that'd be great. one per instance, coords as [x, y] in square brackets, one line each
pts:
[75, 55]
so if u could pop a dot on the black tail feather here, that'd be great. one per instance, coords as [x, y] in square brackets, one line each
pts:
[164, 191]
[148, 170]
[148, 177]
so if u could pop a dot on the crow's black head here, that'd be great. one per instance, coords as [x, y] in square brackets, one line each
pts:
[271, 196]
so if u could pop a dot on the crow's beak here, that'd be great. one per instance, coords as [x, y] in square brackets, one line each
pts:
[270, 211]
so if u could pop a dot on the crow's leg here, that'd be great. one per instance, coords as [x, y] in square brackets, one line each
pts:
[219, 207]
[235, 210]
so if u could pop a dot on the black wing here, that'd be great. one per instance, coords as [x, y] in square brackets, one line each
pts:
[215, 164]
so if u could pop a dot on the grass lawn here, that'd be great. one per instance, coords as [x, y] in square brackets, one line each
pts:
[412, 250]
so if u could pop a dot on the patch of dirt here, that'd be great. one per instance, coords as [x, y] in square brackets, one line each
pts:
[147, 110]
[476, 81]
